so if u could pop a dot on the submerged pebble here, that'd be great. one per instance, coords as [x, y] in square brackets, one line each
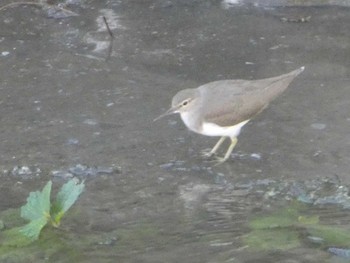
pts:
[256, 156]
[340, 252]
[25, 172]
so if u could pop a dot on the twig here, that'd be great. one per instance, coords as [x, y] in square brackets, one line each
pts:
[110, 47]
[108, 28]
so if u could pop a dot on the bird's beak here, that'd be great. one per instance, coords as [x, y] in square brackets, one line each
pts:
[168, 112]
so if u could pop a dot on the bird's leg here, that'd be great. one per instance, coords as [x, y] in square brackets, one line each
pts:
[210, 153]
[220, 160]
[217, 145]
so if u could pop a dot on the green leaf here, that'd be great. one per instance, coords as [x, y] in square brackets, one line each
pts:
[66, 197]
[33, 229]
[37, 211]
[13, 237]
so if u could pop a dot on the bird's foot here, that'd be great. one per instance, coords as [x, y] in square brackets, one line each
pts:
[207, 153]
[218, 160]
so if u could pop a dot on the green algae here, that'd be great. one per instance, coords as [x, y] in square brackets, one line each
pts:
[290, 227]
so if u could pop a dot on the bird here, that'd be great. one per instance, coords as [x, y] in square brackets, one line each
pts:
[223, 107]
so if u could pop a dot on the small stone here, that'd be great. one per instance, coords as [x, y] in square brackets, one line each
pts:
[256, 156]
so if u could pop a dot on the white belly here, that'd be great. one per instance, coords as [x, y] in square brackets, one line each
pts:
[211, 129]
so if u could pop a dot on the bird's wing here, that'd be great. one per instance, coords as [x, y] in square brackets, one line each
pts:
[228, 102]
[230, 109]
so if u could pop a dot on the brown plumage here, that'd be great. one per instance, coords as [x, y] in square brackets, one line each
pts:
[242, 99]
[222, 108]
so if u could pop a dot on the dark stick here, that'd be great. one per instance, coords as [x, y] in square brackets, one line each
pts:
[107, 26]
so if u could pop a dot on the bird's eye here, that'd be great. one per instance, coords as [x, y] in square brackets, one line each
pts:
[185, 103]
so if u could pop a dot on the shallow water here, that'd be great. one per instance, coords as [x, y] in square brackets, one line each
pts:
[70, 100]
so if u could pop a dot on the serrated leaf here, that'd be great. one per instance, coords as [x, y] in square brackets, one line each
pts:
[36, 210]
[68, 194]
[33, 229]
[66, 197]
[38, 204]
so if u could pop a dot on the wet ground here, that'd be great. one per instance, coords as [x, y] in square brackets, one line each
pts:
[73, 103]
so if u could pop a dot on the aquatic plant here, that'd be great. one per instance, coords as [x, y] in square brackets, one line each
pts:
[292, 226]
[39, 210]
